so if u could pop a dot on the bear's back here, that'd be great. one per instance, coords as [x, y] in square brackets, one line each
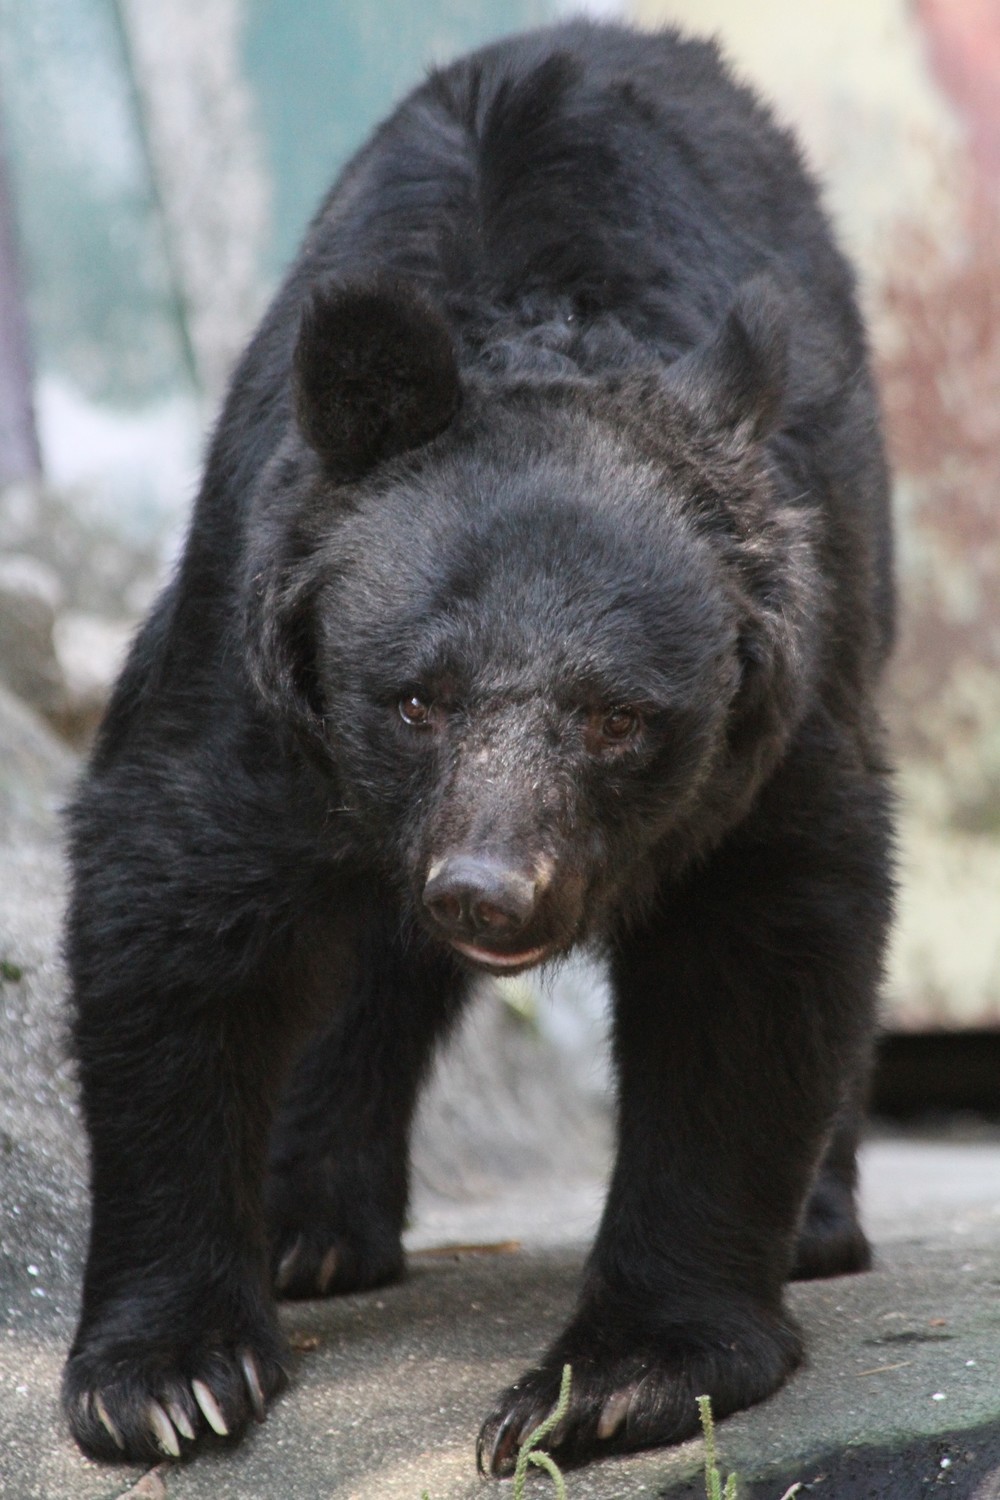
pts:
[628, 173]
[587, 176]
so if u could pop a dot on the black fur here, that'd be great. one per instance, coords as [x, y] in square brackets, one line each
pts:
[536, 595]
[375, 375]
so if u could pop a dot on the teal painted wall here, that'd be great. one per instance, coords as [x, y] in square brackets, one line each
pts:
[102, 308]
[93, 264]
[323, 73]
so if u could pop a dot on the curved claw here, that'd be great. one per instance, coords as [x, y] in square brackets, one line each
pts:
[502, 1456]
[287, 1265]
[180, 1419]
[107, 1422]
[255, 1390]
[637, 1419]
[327, 1269]
[535, 1419]
[210, 1408]
[163, 1430]
[614, 1411]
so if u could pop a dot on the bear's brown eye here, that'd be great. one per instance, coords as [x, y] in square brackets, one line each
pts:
[611, 729]
[414, 710]
[619, 723]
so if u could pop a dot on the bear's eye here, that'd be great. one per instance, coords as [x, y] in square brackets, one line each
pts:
[612, 728]
[414, 710]
[619, 723]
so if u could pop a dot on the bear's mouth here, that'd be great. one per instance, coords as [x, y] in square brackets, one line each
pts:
[502, 963]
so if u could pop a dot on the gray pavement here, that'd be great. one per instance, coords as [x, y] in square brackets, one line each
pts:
[900, 1396]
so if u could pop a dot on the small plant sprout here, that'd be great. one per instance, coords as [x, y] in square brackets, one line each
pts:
[714, 1488]
[529, 1453]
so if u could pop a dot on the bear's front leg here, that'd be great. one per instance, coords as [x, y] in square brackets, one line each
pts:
[177, 1337]
[743, 1014]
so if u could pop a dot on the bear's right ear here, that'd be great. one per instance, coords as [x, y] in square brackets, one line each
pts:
[736, 381]
[374, 374]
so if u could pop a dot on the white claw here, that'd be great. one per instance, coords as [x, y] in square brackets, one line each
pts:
[251, 1375]
[327, 1269]
[210, 1408]
[287, 1265]
[163, 1430]
[614, 1412]
[108, 1423]
[179, 1417]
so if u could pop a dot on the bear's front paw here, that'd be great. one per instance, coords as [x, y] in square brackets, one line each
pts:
[619, 1402]
[146, 1401]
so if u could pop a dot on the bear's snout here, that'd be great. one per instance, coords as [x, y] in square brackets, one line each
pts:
[479, 896]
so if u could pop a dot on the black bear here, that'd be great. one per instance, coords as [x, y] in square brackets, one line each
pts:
[536, 596]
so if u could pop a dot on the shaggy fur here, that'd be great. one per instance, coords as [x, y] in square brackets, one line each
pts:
[536, 595]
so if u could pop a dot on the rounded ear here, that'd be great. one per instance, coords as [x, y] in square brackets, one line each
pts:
[736, 382]
[374, 374]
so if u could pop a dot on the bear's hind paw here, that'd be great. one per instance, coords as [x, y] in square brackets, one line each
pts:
[312, 1263]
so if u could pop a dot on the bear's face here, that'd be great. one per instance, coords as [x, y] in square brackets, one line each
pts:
[528, 670]
[529, 666]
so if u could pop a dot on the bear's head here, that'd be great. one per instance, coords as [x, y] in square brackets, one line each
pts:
[546, 637]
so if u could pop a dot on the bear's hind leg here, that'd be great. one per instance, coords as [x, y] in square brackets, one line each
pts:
[831, 1241]
[338, 1183]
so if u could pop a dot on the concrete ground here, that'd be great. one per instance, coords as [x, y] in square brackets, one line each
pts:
[900, 1397]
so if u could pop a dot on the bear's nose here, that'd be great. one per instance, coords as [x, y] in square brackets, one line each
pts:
[475, 896]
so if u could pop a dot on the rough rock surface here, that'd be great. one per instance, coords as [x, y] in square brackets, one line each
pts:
[30, 596]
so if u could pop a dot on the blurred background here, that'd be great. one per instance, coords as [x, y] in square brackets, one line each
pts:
[158, 164]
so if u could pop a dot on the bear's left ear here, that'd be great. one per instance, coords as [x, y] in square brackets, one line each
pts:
[736, 381]
[374, 374]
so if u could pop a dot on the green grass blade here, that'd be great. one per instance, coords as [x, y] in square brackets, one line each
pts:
[535, 1436]
[713, 1480]
[547, 1462]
